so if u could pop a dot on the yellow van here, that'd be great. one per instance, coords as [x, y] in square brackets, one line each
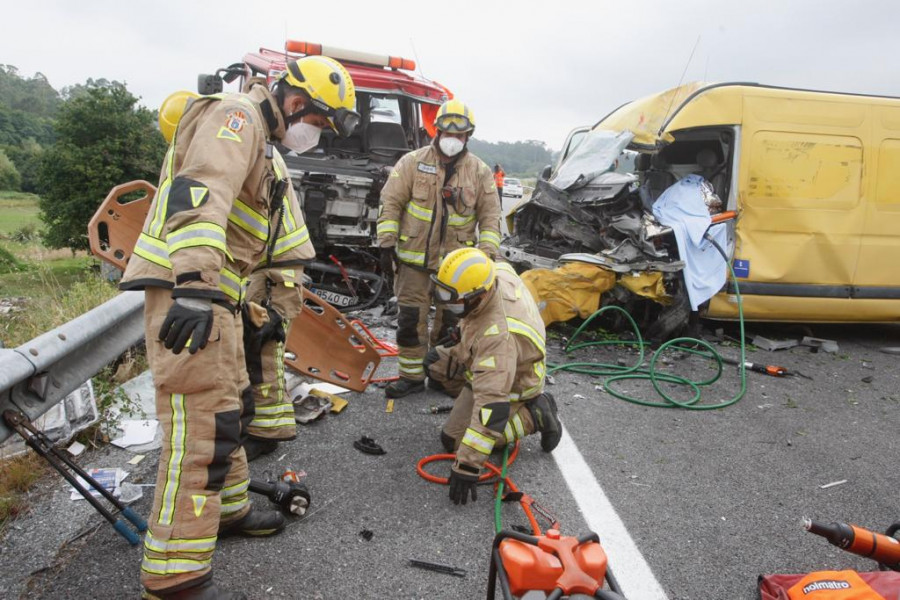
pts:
[814, 177]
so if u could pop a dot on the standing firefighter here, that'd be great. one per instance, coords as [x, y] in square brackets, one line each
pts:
[217, 214]
[437, 199]
[496, 368]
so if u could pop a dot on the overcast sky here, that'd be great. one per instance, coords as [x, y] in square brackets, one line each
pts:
[529, 70]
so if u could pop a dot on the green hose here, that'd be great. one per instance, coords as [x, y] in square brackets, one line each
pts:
[498, 524]
[620, 373]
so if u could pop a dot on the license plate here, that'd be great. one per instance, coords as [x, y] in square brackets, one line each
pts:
[334, 298]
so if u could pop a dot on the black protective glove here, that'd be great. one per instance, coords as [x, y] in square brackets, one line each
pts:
[461, 484]
[255, 337]
[388, 261]
[187, 319]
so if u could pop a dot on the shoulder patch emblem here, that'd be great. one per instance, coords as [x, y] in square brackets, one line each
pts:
[198, 195]
[492, 330]
[235, 120]
[430, 169]
[199, 501]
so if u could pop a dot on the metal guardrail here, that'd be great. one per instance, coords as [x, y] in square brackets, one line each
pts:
[37, 375]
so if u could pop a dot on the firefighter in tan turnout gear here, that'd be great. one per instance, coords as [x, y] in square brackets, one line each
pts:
[219, 212]
[497, 366]
[437, 199]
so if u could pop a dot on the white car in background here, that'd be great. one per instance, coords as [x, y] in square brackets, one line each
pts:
[512, 187]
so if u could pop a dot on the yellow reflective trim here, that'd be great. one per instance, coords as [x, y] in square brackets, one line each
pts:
[154, 250]
[231, 284]
[173, 566]
[249, 220]
[197, 195]
[509, 434]
[411, 257]
[162, 199]
[233, 507]
[207, 544]
[520, 427]
[290, 241]
[492, 330]
[478, 442]
[388, 227]
[199, 505]
[486, 415]
[523, 329]
[419, 212]
[176, 456]
[456, 220]
[488, 363]
[489, 237]
[235, 490]
[227, 134]
[196, 234]
[290, 223]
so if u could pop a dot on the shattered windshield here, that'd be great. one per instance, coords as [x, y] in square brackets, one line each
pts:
[595, 154]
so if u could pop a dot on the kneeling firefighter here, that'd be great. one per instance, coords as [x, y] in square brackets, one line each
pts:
[496, 370]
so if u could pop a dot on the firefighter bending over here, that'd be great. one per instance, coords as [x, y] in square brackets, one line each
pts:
[433, 202]
[496, 368]
[217, 214]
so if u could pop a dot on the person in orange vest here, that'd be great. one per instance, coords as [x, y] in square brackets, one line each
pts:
[498, 180]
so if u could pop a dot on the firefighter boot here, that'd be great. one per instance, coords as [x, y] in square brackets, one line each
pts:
[204, 591]
[404, 387]
[546, 420]
[256, 447]
[254, 523]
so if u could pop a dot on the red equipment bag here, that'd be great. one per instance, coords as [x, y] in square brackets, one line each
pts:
[831, 585]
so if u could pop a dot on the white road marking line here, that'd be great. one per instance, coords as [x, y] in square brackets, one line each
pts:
[626, 562]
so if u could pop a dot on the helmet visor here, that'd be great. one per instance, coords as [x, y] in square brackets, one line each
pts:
[454, 123]
[344, 121]
[443, 293]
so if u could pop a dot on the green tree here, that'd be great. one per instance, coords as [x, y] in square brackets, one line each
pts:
[103, 139]
[9, 175]
[27, 158]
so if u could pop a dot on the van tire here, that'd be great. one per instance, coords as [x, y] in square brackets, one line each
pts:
[672, 320]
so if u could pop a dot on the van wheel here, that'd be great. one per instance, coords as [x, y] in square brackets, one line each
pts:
[672, 320]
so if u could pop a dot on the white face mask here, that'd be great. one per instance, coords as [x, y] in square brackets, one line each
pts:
[301, 137]
[457, 308]
[451, 146]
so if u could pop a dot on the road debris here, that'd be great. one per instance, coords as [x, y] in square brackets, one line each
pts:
[829, 346]
[825, 486]
[772, 345]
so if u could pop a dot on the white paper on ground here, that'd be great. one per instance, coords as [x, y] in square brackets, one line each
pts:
[110, 479]
[136, 432]
[328, 388]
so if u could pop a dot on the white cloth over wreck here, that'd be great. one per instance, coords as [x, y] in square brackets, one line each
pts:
[682, 208]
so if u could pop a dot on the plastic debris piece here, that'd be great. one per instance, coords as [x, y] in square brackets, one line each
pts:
[767, 344]
[890, 350]
[368, 446]
[832, 484]
[829, 346]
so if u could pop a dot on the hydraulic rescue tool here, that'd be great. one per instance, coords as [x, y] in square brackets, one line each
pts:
[41, 444]
[288, 493]
[561, 566]
[883, 548]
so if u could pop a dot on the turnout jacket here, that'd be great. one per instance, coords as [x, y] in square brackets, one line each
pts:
[423, 224]
[502, 346]
[215, 209]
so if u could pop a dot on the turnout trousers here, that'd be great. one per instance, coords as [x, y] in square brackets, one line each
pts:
[274, 411]
[204, 404]
[451, 374]
[413, 288]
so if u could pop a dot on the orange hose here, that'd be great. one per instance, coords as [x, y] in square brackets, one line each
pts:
[493, 471]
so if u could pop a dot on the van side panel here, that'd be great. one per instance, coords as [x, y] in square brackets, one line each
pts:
[879, 259]
[800, 182]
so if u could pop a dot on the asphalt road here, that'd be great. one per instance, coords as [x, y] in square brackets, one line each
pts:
[711, 499]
